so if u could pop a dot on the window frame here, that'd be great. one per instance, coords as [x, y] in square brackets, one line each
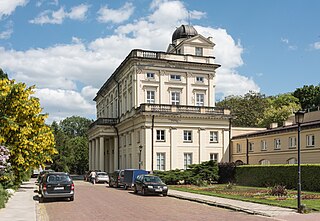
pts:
[198, 51]
[187, 160]
[251, 147]
[175, 77]
[308, 140]
[292, 145]
[160, 135]
[187, 136]
[238, 146]
[161, 161]
[212, 140]
[199, 79]
[263, 145]
[215, 157]
[150, 94]
[150, 75]
[175, 97]
[199, 97]
[277, 144]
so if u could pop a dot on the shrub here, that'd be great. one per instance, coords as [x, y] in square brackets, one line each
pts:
[3, 197]
[285, 175]
[278, 190]
[226, 172]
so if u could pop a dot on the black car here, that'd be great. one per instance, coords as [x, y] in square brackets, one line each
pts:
[56, 185]
[150, 184]
[116, 179]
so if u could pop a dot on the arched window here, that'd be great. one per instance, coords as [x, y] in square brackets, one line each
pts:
[264, 162]
[292, 160]
[239, 162]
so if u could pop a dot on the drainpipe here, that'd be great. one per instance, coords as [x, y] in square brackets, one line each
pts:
[230, 136]
[247, 150]
[118, 117]
[152, 126]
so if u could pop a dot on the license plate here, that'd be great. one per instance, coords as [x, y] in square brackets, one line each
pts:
[59, 188]
[158, 190]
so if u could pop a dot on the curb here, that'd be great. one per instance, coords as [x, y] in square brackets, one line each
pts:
[220, 205]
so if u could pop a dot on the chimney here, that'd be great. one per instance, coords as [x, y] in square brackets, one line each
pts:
[273, 125]
[287, 123]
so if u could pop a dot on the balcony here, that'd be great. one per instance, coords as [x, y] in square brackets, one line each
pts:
[104, 121]
[182, 109]
[137, 53]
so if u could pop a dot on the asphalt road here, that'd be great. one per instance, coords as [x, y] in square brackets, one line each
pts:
[99, 202]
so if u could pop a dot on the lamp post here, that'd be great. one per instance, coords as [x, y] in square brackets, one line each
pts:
[140, 149]
[299, 115]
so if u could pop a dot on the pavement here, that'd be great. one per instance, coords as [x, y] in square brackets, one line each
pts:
[24, 206]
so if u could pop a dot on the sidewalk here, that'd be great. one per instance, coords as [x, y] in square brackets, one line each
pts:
[277, 213]
[22, 205]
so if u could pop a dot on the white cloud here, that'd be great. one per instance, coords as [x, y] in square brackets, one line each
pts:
[76, 70]
[7, 7]
[57, 17]
[78, 12]
[316, 45]
[115, 15]
[289, 45]
[6, 34]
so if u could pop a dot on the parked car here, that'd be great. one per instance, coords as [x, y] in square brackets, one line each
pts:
[56, 185]
[130, 176]
[116, 178]
[150, 184]
[102, 177]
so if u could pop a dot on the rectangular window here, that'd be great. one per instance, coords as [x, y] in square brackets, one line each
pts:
[251, 145]
[161, 161]
[187, 158]
[199, 79]
[214, 156]
[150, 75]
[277, 143]
[199, 99]
[175, 98]
[175, 77]
[238, 148]
[150, 97]
[187, 136]
[199, 51]
[263, 145]
[214, 136]
[160, 135]
[130, 139]
[292, 142]
[310, 140]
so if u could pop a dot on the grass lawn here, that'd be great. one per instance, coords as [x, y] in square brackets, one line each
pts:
[255, 194]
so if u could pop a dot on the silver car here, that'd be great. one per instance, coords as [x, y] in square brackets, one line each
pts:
[102, 177]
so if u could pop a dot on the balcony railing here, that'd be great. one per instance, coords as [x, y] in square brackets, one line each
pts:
[182, 109]
[104, 121]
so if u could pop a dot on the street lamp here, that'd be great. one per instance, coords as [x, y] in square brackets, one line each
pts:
[299, 115]
[140, 149]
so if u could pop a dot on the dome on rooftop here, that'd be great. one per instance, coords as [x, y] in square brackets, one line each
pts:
[184, 31]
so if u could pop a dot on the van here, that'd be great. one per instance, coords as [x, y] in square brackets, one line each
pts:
[116, 178]
[130, 176]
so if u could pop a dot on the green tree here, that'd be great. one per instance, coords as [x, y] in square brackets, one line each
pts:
[309, 96]
[3, 74]
[72, 145]
[23, 129]
[279, 108]
[204, 173]
[248, 109]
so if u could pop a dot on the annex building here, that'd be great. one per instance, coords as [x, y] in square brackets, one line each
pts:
[157, 110]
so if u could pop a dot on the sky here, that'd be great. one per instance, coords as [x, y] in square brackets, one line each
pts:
[68, 49]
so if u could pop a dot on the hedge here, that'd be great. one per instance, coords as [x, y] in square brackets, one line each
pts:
[287, 175]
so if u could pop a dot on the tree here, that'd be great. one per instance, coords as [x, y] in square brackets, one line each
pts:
[3, 74]
[72, 145]
[309, 96]
[247, 109]
[280, 107]
[23, 129]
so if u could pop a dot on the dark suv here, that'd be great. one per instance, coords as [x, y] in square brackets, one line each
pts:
[56, 185]
[150, 184]
[116, 179]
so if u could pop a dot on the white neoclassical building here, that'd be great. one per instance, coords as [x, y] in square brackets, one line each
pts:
[157, 110]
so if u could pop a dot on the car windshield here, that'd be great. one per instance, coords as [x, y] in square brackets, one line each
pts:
[152, 179]
[58, 178]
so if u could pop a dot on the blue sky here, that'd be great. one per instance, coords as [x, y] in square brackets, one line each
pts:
[69, 48]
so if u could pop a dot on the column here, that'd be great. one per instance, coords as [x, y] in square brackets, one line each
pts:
[96, 165]
[110, 156]
[101, 154]
[116, 155]
[90, 156]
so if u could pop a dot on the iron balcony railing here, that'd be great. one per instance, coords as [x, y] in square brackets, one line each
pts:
[104, 121]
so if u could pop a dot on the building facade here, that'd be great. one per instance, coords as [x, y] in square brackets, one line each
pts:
[157, 110]
[278, 145]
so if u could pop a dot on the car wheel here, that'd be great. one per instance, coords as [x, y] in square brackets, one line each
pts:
[143, 191]
[135, 190]
[165, 194]
[72, 198]
[41, 199]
